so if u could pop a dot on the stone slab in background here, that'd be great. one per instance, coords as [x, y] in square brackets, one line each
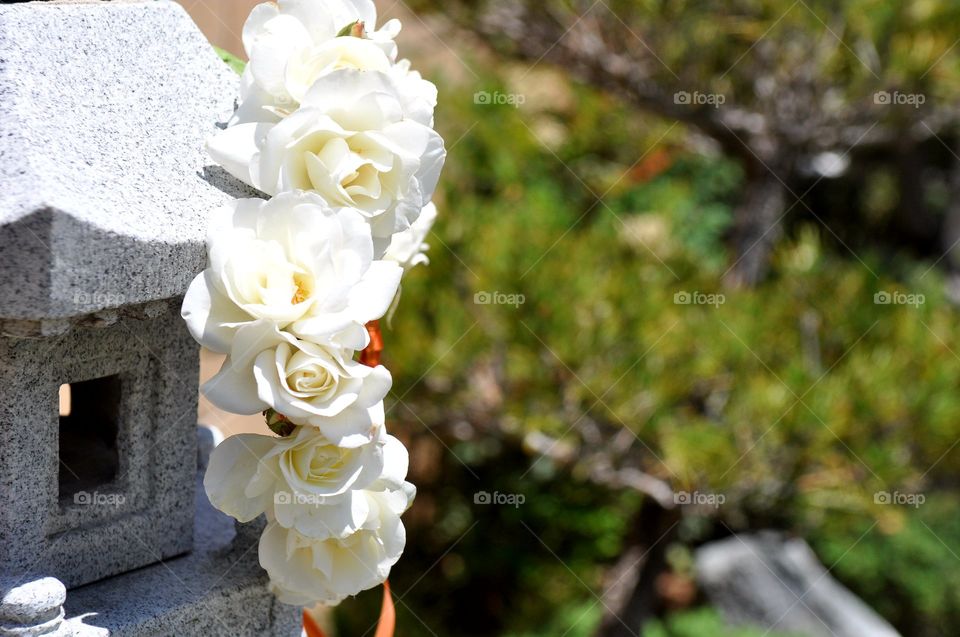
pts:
[777, 583]
[104, 109]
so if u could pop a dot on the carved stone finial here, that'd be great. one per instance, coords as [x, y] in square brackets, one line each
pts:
[31, 608]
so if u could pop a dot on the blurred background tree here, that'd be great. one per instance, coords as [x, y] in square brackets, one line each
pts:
[795, 92]
[607, 198]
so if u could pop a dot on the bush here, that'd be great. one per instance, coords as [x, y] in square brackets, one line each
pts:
[799, 400]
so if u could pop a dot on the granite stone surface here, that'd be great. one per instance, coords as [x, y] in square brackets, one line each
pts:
[106, 192]
[217, 589]
[31, 604]
[71, 518]
[104, 110]
[776, 583]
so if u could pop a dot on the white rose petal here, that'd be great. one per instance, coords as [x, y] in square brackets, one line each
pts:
[408, 248]
[305, 570]
[290, 261]
[234, 482]
[334, 514]
[419, 96]
[293, 43]
[353, 141]
[310, 384]
[305, 482]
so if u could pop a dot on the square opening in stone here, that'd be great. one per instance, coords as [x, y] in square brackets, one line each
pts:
[89, 423]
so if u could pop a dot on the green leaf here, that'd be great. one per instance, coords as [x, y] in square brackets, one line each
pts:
[278, 423]
[232, 60]
[356, 29]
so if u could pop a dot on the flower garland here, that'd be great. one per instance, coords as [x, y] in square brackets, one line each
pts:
[340, 133]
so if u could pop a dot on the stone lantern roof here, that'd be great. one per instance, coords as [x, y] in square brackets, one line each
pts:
[106, 185]
[105, 196]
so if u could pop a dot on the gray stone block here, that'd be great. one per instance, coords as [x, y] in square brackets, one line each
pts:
[217, 589]
[104, 109]
[777, 583]
[119, 493]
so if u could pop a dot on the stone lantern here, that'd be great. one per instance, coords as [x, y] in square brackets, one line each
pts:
[106, 191]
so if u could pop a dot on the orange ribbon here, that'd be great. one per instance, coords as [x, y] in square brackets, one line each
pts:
[385, 627]
[371, 355]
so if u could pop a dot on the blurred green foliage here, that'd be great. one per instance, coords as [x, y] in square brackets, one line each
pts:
[909, 573]
[232, 60]
[853, 46]
[700, 623]
[798, 400]
[909, 44]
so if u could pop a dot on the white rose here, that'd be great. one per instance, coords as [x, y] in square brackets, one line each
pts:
[292, 44]
[352, 143]
[408, 248]
[303, 481]
[287, 41]
[310, 384]
[305, 570]
[291, 262]
[334, 514]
